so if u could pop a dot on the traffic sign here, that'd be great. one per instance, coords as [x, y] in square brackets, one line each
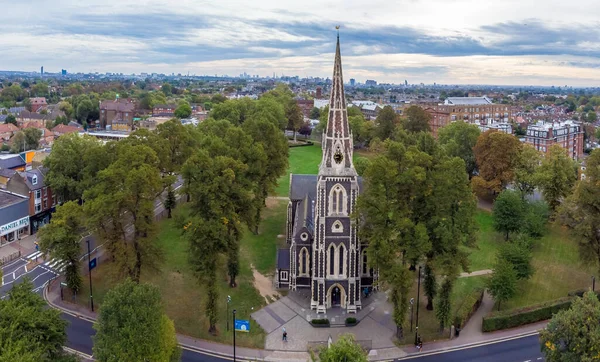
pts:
[92, 263]
[242, 325]
[64, 284]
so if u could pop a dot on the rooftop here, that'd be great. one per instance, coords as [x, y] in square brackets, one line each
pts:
[468, 101]
[8, 199]
[546, 126]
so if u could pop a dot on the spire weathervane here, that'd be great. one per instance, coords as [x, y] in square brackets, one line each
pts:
[337, 27]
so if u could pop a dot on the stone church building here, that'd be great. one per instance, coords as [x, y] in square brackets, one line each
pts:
[324, 253]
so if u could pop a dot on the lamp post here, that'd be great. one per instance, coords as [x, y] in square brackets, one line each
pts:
[228, 301]
[593, 283]
[234, 335]
[418, 298]
[90, 275]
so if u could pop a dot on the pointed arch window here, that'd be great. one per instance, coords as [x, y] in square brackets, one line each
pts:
[365, 267]
[331, 260]
[304, 261]
[338, 200]
[341, 260]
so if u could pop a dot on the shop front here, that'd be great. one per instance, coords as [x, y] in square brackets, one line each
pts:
[14, 217]
[41, 219]
[14, 230]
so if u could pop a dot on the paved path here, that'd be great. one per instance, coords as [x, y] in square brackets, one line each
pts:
[476, 273]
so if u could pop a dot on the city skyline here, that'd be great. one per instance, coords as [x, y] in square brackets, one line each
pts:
[509, 43]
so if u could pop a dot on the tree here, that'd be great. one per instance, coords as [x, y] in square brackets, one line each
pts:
[123, 199]
[536, 218]
[496, 154]
[315, 113]
[170, 201]
[385, 123]
[444, 304]
[167, 89]
[573, 334]
[503, 283]
[592, 117]
[74, 164]
[67, 108]
[344, 349]
[29, 330]
[519, 256]
[84, 108]
[362, 131]
[557, 176]
[183, 110]
[416, 120]
[526, 166]
[429, 285]
[132, 326]
[581, 215]
[61, 240]
[306, 129]
[10, 119]
[28, 139]
[459, 139]
[294, 116]
[508, 212]
[27, 104]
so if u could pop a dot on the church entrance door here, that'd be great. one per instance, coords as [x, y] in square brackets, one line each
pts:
[336, 297]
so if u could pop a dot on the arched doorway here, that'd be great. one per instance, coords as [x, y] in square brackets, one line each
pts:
[336, 296]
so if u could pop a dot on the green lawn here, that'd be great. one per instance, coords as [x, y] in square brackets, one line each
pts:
[484, 254]
[183, 296]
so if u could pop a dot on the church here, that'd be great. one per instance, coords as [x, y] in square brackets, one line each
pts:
[324, 253]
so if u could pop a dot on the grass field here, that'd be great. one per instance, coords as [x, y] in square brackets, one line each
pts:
[183, 297]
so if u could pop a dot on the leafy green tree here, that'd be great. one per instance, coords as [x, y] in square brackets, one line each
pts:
[416, 120]
[218, 98]
[385, 123]
[13, 93]
[581, 215]
[60, 239]
[496, 154]
[235, 111]
[132, 326]
[519, 256]
[29, 330]
[27, 104]
[429, 285]
[459, 139]
[592, 117]
[443, 308]
[526, 166]
[556, 176]
[10, 119]
[170, 201]
[344, 349]
[123, 199]
[503, 283]
[294, 116]
[183, 110]
[40, 89]
[28, 139]
[167, 89]
[573, 334]
[508, 212]
[74, 164]
[315, 113]
[535, 219]
[84, 109]
[362, 131]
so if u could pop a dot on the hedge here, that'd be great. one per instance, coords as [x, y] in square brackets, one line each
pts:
[351, 321]
[581, 292]
[519, 316]
[468, 307]
[322, 321]
[304, 143]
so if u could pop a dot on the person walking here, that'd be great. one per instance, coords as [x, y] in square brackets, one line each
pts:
[419, 343]
[284, 337]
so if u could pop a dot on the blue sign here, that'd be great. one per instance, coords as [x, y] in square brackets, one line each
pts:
[92, 263]
[242, 325]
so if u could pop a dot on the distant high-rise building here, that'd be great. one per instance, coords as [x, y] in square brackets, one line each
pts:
[63, 72]
[405, 82]
[42, 70]
[352, 82]
[370, 83]
[319, 92]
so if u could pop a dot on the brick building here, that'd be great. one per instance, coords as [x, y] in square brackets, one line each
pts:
[567, 134]
[117, 110]
[306, 105]
[37, 103]
[164, 110]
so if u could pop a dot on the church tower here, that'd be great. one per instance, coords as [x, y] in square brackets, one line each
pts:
[336, 251]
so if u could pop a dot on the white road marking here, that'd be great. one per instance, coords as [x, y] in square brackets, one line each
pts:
[34, 255]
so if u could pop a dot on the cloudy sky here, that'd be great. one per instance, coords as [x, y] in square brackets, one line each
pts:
[516, 42]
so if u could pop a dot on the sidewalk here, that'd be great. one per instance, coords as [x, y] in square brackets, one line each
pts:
[471, 336]
[26, 246]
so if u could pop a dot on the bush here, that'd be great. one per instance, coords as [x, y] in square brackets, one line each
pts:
[351, 320]
[580, 292]
[468, 307]
[519, 316]
[301, 143]
[321, 321]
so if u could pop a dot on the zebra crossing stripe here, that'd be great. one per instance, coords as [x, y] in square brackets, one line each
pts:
[34, 255]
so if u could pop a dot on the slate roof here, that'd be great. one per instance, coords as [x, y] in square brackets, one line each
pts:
[301, 185]
[28, 178]
[283, 259]
[12, 207]
[468, 101]
[8, 199]
[8, 173]
[12, 162]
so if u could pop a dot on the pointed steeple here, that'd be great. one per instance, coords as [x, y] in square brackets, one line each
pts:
[337, 140]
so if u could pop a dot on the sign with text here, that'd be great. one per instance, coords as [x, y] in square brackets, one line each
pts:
[15, 225]
[242, 325]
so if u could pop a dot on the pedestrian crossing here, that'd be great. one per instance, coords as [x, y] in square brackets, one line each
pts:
[54, 265]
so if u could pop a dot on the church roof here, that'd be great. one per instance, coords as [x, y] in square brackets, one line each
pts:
[283, 259]
[302, 185]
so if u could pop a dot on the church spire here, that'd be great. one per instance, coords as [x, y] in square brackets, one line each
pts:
[337, 141]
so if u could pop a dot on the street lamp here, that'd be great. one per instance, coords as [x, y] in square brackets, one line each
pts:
[90, 274]
[418, 298]
[234, 335]
[412, 301]
[228, 301]
[593, 283]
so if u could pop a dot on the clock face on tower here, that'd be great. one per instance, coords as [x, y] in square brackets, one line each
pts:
[338, 157]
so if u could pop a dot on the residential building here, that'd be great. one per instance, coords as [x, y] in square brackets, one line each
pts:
[369, 109]
[12, 162]
[37, 103]
[14, 217]
[498, 126]
[440, 117]
[121, 126]
[324, 254]
[164, 110]
[42, 202]
[117, 110]
[306, 105]
[7, 130]
[472, 109]
[370, 83]
[567, 134]
[62, 129]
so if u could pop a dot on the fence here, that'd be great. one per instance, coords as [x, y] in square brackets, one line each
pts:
[9, 258]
